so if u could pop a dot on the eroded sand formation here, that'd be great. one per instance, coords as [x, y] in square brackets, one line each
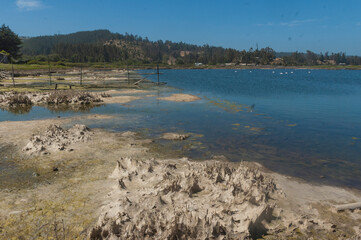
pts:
[56, 138]
[54, 97]
[180, 199]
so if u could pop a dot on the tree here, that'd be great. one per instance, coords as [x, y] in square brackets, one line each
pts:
[9, 42]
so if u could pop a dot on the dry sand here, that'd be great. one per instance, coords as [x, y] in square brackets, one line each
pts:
[179, 199]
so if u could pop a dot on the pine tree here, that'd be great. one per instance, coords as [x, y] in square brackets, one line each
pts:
[9, 42]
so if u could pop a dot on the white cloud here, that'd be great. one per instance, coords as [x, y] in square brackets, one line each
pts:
[29, 5]
[293, 23]
[265, 24]
[298, 22]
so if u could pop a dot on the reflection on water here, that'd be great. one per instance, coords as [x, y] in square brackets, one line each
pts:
[53, 108]
[76, 108]
[17, 109]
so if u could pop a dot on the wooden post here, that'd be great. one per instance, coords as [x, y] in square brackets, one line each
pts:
[49, 71]
[158, 73]
[12, 75]
[128, 74]
[104, 72]
[81, 74]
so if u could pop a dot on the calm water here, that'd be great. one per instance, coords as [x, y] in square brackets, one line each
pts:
[305, 123]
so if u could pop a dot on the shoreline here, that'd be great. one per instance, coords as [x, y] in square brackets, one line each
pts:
[27, 70]
[65, 181]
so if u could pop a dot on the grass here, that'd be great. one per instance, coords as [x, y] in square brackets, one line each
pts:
[67, 65]
[336, 67]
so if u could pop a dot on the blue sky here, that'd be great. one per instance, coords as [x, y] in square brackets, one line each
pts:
[318, 25]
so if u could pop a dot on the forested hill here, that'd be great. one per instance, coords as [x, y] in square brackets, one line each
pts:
[103, 45]
[46, 44]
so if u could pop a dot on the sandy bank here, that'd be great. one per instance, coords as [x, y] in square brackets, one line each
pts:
[126, 91]
[65, 195]
[180, 98]
[120, 99]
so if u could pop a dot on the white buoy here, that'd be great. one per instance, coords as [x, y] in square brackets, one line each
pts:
[281, 73]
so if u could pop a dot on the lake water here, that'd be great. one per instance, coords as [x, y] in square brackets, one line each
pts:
[304, 123]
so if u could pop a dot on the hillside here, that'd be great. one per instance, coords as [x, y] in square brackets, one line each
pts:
[105, 46]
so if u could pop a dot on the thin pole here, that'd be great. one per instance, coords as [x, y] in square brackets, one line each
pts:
[12, 75]
[158, 73]
[49, 71]
[81, 74]
[128, 74]
[104, 71]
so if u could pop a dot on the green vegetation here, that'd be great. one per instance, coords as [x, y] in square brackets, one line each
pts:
[9, 42]
[102, 48]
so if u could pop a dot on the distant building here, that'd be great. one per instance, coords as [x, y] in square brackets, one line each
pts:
[342, 64]
[230, 64]
[184, 53]
[277, 61]
[3, 58]
[198, 64]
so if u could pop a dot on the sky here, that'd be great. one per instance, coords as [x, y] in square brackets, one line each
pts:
[317, 25]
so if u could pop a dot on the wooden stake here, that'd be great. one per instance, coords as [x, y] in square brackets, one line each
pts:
[12, 75]
[158, 73]
[81, 74]
[49, 71]
[128, 74]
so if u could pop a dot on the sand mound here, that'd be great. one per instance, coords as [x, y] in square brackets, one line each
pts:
[56, 138]
[179, 199]
[52, 98]
[180, 98]
[175, 136]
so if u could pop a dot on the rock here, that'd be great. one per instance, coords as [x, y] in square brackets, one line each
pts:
[175, 136]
